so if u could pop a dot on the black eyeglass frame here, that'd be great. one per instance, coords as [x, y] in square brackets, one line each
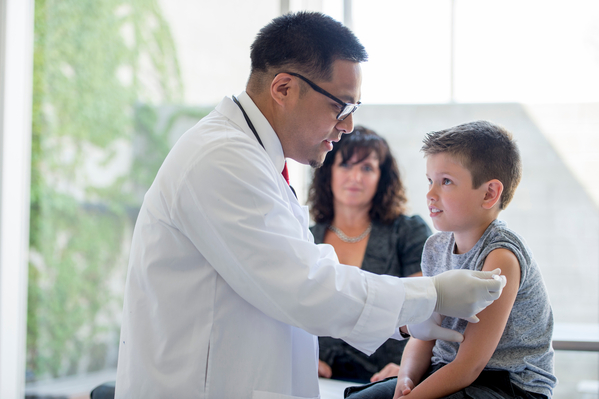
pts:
[348, 108]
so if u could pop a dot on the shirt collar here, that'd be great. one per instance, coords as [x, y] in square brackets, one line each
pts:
[269, 137]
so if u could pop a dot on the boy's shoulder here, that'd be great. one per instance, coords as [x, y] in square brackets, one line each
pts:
[499, 236]
[439, 248]
[499, 232]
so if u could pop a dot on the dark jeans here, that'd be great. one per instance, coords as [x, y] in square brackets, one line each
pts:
[490, 384]
[104, 391]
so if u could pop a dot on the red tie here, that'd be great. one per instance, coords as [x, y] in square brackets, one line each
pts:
[285, 173]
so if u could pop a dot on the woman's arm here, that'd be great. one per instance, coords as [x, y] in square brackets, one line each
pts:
[324, 370]
[480, 339]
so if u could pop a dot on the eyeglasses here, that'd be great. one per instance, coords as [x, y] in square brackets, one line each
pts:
[347, 108]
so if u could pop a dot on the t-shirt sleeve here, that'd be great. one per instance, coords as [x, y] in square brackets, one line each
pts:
[504, 242]
[411, 238]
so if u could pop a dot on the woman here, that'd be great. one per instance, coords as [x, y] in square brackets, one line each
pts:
[358, 202]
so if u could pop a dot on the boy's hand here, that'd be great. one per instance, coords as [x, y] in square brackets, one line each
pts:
[431, 329]
[464, 293]
[404, 386]
[389, 370]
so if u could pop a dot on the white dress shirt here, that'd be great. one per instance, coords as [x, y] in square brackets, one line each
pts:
[226, 291]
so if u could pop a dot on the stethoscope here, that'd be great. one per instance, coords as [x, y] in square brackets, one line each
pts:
[253, 129]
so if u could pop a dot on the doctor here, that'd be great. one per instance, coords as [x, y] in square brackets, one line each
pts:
[226, 291]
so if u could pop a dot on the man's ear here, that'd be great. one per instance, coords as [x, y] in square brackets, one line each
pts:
[282, 88]
[492, 193]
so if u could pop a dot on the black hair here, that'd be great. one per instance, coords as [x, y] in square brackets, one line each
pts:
[308, 41]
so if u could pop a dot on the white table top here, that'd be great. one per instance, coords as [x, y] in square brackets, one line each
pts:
[576, 336]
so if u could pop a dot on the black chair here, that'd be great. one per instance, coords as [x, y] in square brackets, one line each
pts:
[104, 391]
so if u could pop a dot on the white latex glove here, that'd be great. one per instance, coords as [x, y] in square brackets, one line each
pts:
[431, 329]
[464, 293]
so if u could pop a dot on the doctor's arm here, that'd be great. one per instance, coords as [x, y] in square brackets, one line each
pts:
[248, 227]
[480, 339]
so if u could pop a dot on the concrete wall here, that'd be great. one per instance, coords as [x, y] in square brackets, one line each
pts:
[553, 209]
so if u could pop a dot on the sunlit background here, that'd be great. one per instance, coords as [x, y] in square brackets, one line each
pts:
[116, 82]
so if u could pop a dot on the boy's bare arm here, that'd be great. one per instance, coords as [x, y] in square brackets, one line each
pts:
[480, 339]
[415, 361]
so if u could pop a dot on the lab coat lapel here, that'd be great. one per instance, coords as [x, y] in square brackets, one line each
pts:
[272, 146]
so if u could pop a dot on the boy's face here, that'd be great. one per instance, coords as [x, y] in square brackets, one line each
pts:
[452, 202]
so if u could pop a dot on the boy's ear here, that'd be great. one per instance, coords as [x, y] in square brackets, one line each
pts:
[493, 193]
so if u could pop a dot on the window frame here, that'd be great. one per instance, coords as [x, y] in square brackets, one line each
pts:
[16, 73]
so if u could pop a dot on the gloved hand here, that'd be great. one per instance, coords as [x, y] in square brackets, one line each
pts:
[464, 293]
[431, 329]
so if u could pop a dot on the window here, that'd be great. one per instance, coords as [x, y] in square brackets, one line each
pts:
[117, 82]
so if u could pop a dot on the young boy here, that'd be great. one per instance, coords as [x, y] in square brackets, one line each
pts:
[473, 170]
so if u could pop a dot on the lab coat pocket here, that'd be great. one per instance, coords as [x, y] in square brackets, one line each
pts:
[273, 395]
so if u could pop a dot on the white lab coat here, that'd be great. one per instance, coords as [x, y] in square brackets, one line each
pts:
[226, 290]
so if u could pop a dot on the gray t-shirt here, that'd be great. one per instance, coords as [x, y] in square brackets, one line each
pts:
[525, 346]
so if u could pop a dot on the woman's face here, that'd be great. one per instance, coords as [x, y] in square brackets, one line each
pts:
[354, 184]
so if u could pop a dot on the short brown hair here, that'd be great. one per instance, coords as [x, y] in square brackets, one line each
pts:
[390, 197]
[488, 151]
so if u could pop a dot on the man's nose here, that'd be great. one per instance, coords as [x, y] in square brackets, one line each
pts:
[347, 125]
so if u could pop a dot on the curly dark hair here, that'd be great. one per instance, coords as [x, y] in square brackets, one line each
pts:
[390, 198]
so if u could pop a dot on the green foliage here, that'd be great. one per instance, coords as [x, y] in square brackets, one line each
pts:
[95, 61]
